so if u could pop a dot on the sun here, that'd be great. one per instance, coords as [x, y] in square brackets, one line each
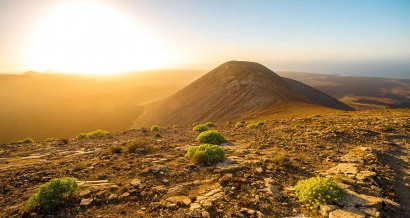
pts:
[90, 37]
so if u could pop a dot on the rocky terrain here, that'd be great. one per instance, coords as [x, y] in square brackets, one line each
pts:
[366, 152]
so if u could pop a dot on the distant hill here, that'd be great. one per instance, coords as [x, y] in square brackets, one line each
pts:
[358, 92]
[233, 91]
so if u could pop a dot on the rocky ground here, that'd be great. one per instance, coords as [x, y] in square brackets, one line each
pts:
[367, 153]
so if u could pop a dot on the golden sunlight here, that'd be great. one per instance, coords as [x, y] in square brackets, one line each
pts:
[90, 37]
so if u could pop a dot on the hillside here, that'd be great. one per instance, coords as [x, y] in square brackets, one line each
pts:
[367, 152]
[234, 91]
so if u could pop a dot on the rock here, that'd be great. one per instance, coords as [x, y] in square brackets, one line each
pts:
[365, 175]
[226, 177]
[205, 214]
[370, 211]
[352, 199]
[326, 209]
[135, 182]
[85, 202]
[195, 206]
[195, 213]
[275, 192]
[112, 198]
[345, 213]
[345, 168]
[180, 200]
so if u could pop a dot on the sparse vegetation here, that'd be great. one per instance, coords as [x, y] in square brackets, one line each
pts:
[200, 128]
[139, 147]
[280, 159]
[26, 141]
[81, 136]
[115, 150]
[93, 134]
[239, 124]
[194, 124]
[210, 124]
[155, 128]
[175, 126]
[97, 133]
[318, 191]
[255, 124]
[205, 153]
[228, 123]
[49, 195]
[211, 136]
[79, 166]
[65, 141]
[49, 139]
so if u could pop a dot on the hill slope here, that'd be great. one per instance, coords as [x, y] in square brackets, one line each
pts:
[233, 91]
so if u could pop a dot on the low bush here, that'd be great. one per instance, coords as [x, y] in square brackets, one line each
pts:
[228, 123]
[205, 153]
[239, 124]
[255, 124]
[155, 128]
[139, 147]
[49, 195]
[175, 126]
[211, 136]
[65, 141]
[115, 150]
[200, 128]
[97, 133]
[317, 191]
[280, 159]
[194, 124]
[49, 139]
[26, 141]
[79, 166]
[210, 124]
[81, 135]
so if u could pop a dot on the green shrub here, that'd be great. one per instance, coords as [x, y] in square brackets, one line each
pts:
[228, 123]
[139, 147]
[194, 124]
[82, 135]
[97, 133]
[211, 136]
[26, 141]
[79, 166]
[205, 153]
[155, 128]
[49, 195]
[175, 126]
[210, 124]
[65, 141]
[318, 191]
[115, 150]
[239, 124]
[255, 124]
[200, 128]
[49, 139]
[280, 159]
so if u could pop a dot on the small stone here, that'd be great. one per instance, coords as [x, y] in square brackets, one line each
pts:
[180, 200]
[85, 202]
[326, 209]
[112, 198]
[205, 214]
[135, 182]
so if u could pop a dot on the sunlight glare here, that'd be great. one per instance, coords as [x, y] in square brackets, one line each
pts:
[94, 38]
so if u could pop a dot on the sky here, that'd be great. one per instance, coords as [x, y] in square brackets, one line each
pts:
[355, 37]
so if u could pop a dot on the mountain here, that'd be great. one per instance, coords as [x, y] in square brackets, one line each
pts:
[235, 90]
